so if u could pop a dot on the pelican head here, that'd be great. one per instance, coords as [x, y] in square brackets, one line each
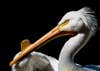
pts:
[72, 23]
[79, 21]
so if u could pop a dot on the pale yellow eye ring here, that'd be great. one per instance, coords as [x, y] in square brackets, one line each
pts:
[63, 24]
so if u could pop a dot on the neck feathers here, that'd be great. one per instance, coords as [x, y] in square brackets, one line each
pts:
[71, 47]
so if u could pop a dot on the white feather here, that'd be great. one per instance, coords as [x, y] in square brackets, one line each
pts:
[82, 16]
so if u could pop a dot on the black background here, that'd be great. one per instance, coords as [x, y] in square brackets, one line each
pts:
[31, 20]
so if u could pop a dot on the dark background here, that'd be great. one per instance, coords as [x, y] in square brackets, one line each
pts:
[31, 20]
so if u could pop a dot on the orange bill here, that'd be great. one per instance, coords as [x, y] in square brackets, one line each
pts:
[54, 32]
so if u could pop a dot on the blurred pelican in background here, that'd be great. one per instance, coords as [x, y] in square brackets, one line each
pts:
[81, 25]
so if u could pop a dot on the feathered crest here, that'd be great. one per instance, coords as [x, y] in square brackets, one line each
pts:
[88, 18]
[86, 15]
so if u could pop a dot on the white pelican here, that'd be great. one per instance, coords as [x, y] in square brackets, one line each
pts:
[81, 25]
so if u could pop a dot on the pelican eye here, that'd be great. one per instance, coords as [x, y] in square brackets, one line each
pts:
[64, 23]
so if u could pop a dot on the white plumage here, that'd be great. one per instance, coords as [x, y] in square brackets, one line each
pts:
[82, 22]
[36, 61]
[82, 16]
